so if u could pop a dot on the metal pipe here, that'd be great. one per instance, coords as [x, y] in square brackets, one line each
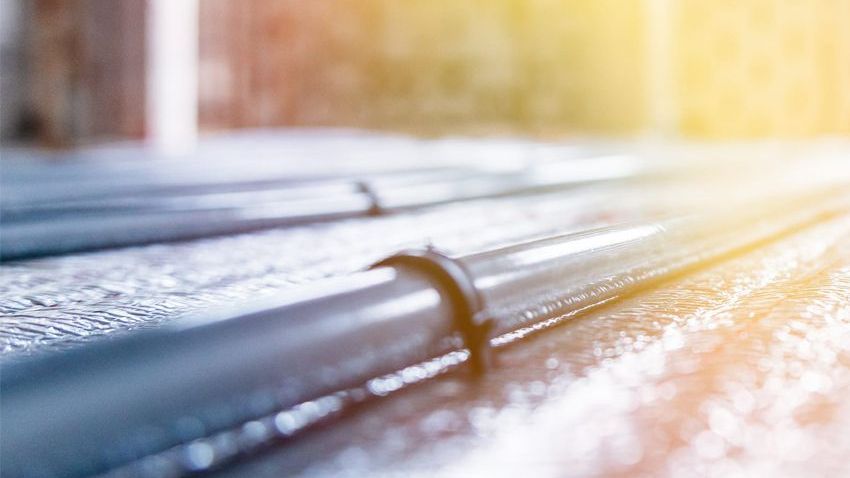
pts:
[528, 283]
[83, 412]
[94, 230]
[95, 408]
[53, 231]
[31, 197]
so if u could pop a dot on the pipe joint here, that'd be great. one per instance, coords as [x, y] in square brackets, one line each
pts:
[457, 285]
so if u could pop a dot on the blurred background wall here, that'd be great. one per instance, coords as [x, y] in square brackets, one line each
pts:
[74, 70]
[423, 64]
[748, 68]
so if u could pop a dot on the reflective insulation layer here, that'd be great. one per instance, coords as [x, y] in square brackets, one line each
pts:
[629, 386]
[123, 400]
[54, 302]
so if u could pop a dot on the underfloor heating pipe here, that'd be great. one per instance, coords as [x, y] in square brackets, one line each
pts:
[97, 224]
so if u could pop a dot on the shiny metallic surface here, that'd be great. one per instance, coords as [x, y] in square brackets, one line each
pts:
[96, 230]
[84, 209]
[527, 283]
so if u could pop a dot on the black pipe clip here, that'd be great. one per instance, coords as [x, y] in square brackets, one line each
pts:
[366, 189]
[452, 278]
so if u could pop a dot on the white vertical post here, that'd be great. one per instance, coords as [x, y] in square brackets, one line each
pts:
[172, 75]
[661, 93]
[12, 79]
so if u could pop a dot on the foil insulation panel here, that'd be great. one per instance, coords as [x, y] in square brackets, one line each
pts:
[737, 369]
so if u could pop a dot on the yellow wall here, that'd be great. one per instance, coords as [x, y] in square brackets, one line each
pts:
[762, 67]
